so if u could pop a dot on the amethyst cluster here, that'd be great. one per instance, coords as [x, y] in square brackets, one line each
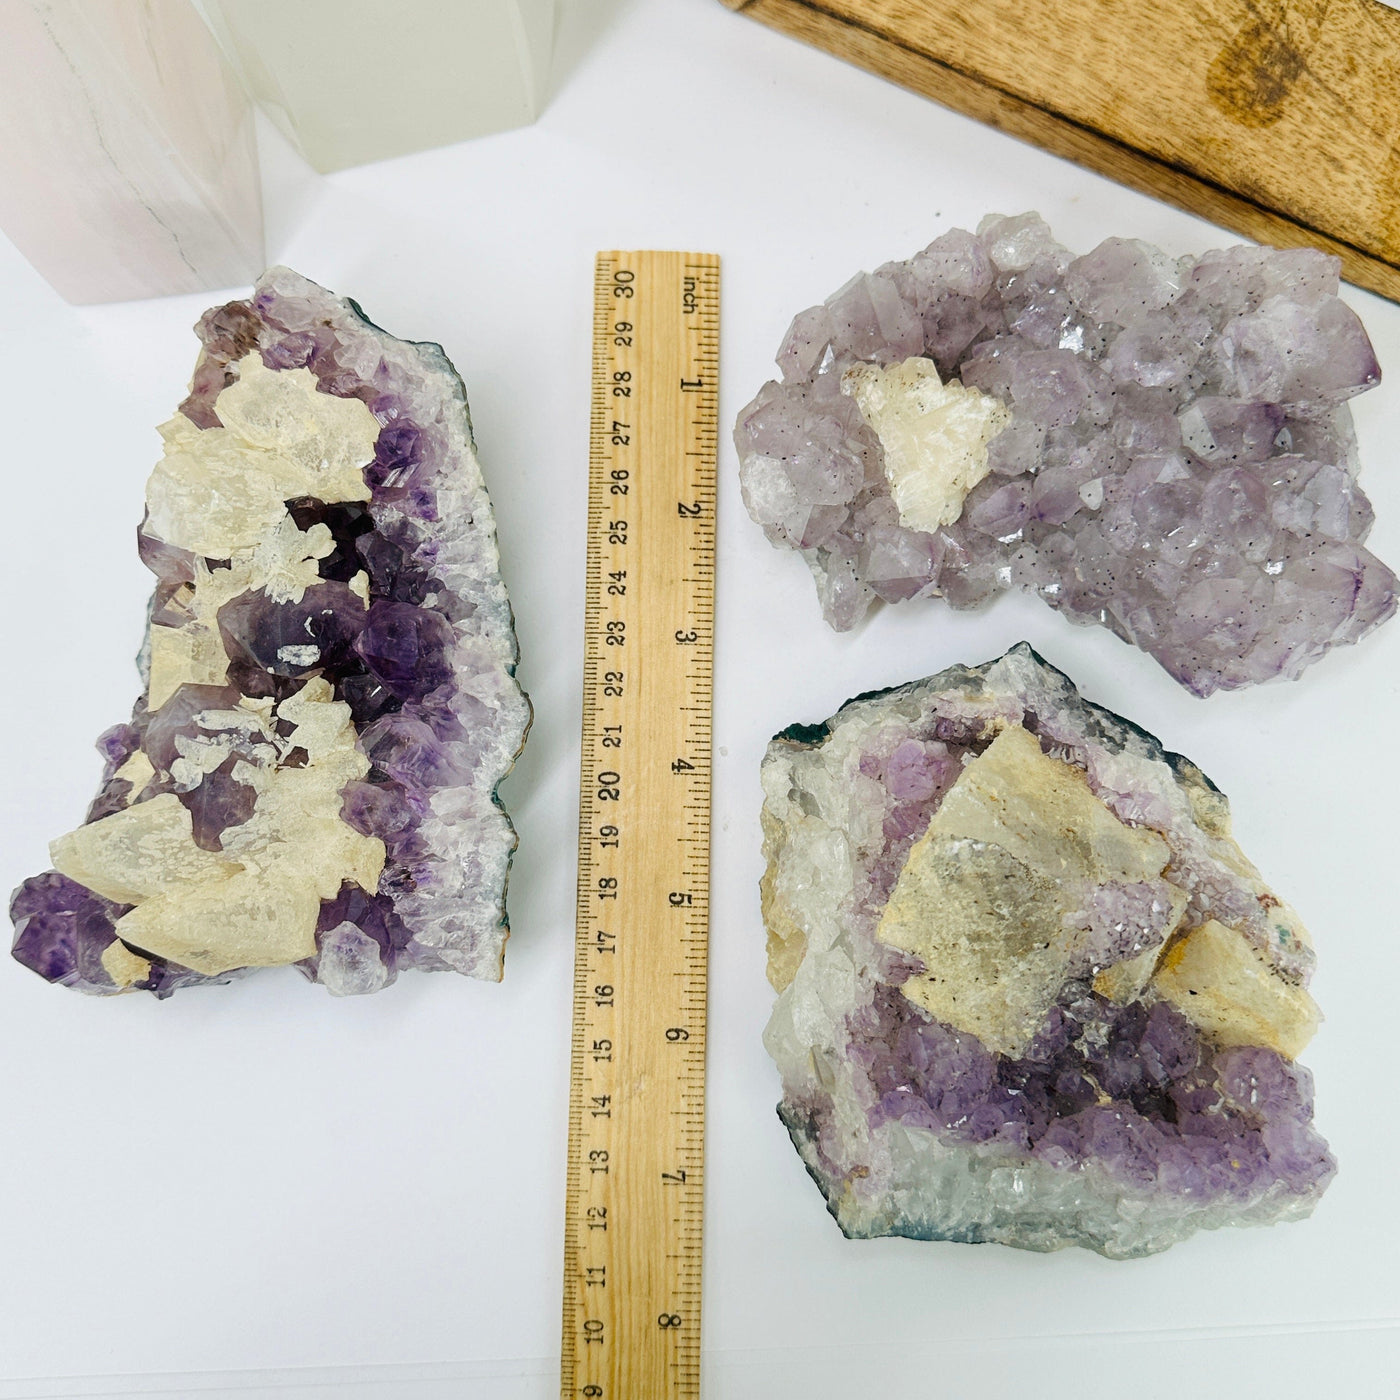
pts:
[1162, 446]
[329, 701]
[1030, 989]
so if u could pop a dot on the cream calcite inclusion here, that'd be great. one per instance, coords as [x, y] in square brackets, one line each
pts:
[131, 856]
[934, 435]
[990, 896]
[282, 565]
[123, 966]
[992, 899]
[218, 491]
[1222, 984]
[1124, 982]
[221, 493]
[138, 770]
[255, 903]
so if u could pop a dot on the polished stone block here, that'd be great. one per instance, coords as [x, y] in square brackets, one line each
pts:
[129, 166]
[351, 81]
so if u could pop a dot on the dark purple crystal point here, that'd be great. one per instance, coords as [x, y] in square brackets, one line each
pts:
[62, 930]
[407, 648]
[1161, 446]
[310, 637]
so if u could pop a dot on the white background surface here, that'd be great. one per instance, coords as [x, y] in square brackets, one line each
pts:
[258, 1190]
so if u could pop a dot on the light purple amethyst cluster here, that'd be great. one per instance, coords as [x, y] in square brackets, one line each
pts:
[1179, 465]
[408, 621]
[1135, 1093]
[1122, 1126]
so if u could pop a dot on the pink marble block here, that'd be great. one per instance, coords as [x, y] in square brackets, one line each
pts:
[129, 165]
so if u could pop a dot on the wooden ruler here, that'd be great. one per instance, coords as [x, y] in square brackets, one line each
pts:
[632, 1243]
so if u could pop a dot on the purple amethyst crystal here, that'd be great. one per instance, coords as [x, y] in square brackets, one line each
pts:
[1158, 445]
[407, 648]
[62, 930]
[1030, 989]
[329, 702]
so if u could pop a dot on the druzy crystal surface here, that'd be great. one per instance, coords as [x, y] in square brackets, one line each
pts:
[329, 703]
[1030, 989]
[1161, 446]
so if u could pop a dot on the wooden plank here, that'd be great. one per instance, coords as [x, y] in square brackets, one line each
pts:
[635, 1192]
[1277, 118]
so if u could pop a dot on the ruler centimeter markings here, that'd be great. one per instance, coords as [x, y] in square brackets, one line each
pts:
[635, 1194]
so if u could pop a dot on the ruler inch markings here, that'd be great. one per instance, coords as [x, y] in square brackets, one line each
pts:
[634, 1200]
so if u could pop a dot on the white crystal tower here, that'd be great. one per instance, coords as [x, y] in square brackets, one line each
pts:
[350, 81]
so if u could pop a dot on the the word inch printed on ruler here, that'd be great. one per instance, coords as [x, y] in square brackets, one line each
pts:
[633, 1210]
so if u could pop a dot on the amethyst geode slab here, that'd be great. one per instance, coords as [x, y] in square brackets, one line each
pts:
[329, 702]
[1030, 989]
[1158, 445]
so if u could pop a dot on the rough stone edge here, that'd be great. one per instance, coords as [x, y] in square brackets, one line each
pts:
[436, 358]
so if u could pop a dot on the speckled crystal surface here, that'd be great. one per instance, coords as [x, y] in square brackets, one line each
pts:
[329, 696]
[1031, 991]
[1158, 445]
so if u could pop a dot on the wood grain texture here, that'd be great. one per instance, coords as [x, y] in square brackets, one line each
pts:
[634, 1203]
[1277, 118]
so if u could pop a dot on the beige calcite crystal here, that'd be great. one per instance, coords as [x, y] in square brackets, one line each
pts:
[990, 898]
[123, 966]
[283, 567]
[221, 493]
[993, 896]
[1125, 982]
[255, 903]
[1222, 984]
[138, 770]
[217, 491]
[133, 855]
[934, 435]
